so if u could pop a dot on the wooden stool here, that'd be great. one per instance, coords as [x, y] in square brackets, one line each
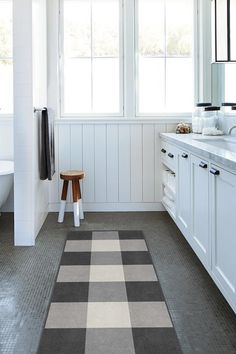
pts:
[74, 177]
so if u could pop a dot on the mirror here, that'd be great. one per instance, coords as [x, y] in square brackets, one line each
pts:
[224, 13]
[233, 28]
[221, 29]
[223, 83]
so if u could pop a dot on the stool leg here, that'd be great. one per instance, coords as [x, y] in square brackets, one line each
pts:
[63, 202]
[75, 203]
[81, 212]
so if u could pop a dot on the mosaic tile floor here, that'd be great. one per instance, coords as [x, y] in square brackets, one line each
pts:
[204, 322]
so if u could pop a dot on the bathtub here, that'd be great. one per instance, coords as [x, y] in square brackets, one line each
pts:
[6, 180]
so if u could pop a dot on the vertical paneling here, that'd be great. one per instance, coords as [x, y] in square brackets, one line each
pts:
[76, 158]
[112, 164]
[100, 163]
[170, 128]
[124, 163]
[136, 136]
[88, 163]
[64, 139]
[54, 194]
[158, 168]
[121, 161]
[148, 163]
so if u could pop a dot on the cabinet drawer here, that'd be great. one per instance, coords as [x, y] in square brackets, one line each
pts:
[169, 155]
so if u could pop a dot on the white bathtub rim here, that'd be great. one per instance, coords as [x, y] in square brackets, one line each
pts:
[6, 167]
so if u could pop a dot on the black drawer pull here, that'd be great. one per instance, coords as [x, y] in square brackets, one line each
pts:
[163, 150]
[185, 156]
[214, 171]
[203, 165]
[171, 155]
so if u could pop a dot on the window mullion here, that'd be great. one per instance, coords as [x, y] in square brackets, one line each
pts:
[129, 59]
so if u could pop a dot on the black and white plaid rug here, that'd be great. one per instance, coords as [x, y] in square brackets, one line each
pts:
[107, 299]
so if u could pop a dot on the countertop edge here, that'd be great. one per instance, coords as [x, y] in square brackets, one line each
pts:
[205, 150]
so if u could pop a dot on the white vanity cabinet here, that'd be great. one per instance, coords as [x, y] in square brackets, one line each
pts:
[223, 230]
[206, 213]
[200, 238]
[183, 214]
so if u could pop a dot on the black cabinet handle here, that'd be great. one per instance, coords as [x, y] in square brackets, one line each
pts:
[203, 165]
[214, 171]
[163, 150]
[185, 156]
[171, 155]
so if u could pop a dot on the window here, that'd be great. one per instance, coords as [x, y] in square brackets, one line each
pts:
[92, 52]
[165, 56]
[158, 57]
[6, 66]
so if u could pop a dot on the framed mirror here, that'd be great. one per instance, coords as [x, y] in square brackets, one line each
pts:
[225, 30]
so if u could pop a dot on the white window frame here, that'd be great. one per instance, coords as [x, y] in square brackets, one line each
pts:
[61, 69]
[128, 23]
[8, 115]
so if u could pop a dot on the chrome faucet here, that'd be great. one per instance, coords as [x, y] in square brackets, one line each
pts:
[231, 129]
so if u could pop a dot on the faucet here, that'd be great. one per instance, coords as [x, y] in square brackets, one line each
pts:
[231, 129]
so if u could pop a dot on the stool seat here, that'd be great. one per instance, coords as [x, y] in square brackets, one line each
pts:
[72, 175]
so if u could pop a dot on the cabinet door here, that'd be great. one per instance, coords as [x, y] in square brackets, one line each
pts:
[183, 193]
[200, 240]
[223, 231]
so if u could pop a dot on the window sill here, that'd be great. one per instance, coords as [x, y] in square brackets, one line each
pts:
[124, 120]
[6, 118]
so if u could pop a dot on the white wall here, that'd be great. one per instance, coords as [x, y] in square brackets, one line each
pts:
[29, 203]
[6, 153]
[121, 161]
[6, 139]
[39, 21]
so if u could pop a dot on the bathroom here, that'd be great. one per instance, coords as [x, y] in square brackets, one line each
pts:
[91, 94]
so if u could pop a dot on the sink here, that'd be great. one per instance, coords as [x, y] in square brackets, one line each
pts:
[224, 143]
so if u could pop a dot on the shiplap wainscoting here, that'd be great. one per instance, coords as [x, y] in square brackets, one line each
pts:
[121, 162]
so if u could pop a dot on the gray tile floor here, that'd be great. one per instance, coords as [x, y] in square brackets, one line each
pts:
[203, 320]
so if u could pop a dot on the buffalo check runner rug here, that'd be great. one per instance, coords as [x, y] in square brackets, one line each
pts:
[107, 299]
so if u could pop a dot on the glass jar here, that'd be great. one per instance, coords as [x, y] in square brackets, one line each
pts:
[197, 119]
[227, 107]
[211, 117]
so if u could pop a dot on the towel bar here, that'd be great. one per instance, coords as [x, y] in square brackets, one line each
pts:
[39, 109]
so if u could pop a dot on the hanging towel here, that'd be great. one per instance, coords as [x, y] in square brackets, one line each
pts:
[47, 150]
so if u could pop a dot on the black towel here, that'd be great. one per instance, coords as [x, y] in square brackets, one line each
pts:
[47, 151]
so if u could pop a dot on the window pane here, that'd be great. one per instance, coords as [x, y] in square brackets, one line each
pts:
[6, 86]
[106, 85]
[6, 66]
[179, 28]
[5, 29]
[77, 28]
[152, 83]
[105, 28]
[151, 27]
[91, 80]
[179, 85]
[77, 83]
[165, 32]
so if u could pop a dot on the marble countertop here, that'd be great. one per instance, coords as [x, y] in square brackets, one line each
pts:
[199, 145]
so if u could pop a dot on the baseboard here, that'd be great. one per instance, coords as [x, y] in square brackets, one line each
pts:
[111, 207]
